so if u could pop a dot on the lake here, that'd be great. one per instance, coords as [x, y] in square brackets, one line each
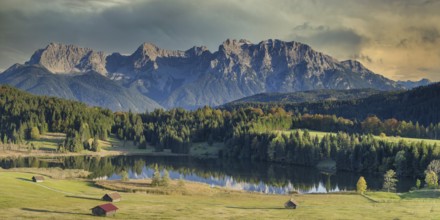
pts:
[264, 177]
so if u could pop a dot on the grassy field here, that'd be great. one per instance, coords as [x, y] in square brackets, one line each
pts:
[48, 143]
[72, 199]
[321, 134]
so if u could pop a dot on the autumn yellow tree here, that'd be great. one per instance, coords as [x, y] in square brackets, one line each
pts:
[431, 179]
[361, 185]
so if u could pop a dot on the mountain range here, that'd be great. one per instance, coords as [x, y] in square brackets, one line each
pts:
[152, 77]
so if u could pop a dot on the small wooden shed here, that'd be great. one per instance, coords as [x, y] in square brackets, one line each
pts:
[112, 197]
[291, 204]
[38, 179]
[104, 210]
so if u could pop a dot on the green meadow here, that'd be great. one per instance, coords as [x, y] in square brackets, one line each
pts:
[73, 198]
[321, 134]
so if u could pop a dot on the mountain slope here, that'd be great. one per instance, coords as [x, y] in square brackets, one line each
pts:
[306, 96]
[420, 104]
[239, 69]
[198, 77]
[90, 88]
[413, 84]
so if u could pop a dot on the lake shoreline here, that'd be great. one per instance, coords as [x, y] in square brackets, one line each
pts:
[17, 154]
[47, 146]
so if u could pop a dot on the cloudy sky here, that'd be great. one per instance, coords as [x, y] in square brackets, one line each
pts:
[397, 38]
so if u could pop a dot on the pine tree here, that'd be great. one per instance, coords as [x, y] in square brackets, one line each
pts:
[165, 178]
[124, 176]
[35, 133]
[155, 181]
[95, 145]
[418, 183]
[361, 185]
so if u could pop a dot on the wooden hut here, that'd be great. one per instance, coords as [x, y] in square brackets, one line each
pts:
[112, 197]
[291, 204]
[38, 179]
[104, 210]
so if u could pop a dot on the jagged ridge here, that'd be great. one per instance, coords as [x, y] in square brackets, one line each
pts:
[198, 77]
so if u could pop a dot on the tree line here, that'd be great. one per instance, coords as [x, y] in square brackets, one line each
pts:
[358, 153]
[417, 105]
[246, 132]
[24, 117]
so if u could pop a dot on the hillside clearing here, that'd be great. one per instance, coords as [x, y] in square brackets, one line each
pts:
[321, 134]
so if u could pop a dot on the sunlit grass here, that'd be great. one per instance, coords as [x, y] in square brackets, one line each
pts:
[72, 199]
[321, 134]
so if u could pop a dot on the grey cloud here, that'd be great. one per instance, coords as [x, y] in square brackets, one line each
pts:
[123, 26]
[307, 27]
[336, 27]
[362, 57]
[430, 35]
[341, 41]
[403, 43]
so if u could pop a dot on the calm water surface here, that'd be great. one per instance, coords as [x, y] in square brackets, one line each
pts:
[246, 175]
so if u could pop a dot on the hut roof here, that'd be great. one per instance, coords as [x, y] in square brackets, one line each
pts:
[292, 202]
[107, 207]
[38, 177]
[113, 196]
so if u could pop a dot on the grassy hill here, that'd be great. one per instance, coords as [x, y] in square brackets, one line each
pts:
[420, 104]
[72, 199]
[307, 96]
[321, 134]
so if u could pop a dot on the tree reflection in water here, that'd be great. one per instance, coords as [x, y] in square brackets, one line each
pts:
[234, 174]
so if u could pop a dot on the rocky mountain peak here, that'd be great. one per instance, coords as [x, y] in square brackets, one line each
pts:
[233, 45]
[235, 42]
[197, 51]
[64, 58]
[148, 48]
[354, 65]
[197, 77]
[151, 51]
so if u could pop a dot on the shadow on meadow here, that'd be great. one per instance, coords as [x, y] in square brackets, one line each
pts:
[24, 179]
[56, 212]
[260, 208]
[83, 197]
[419, 194]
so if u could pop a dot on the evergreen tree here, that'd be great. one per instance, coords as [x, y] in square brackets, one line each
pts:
[95, 145]
[418, 183]
[165, 178]
[155, 181]
[124, 176]
[35, 133]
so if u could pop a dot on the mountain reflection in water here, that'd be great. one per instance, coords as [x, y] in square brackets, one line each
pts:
[271, 178]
